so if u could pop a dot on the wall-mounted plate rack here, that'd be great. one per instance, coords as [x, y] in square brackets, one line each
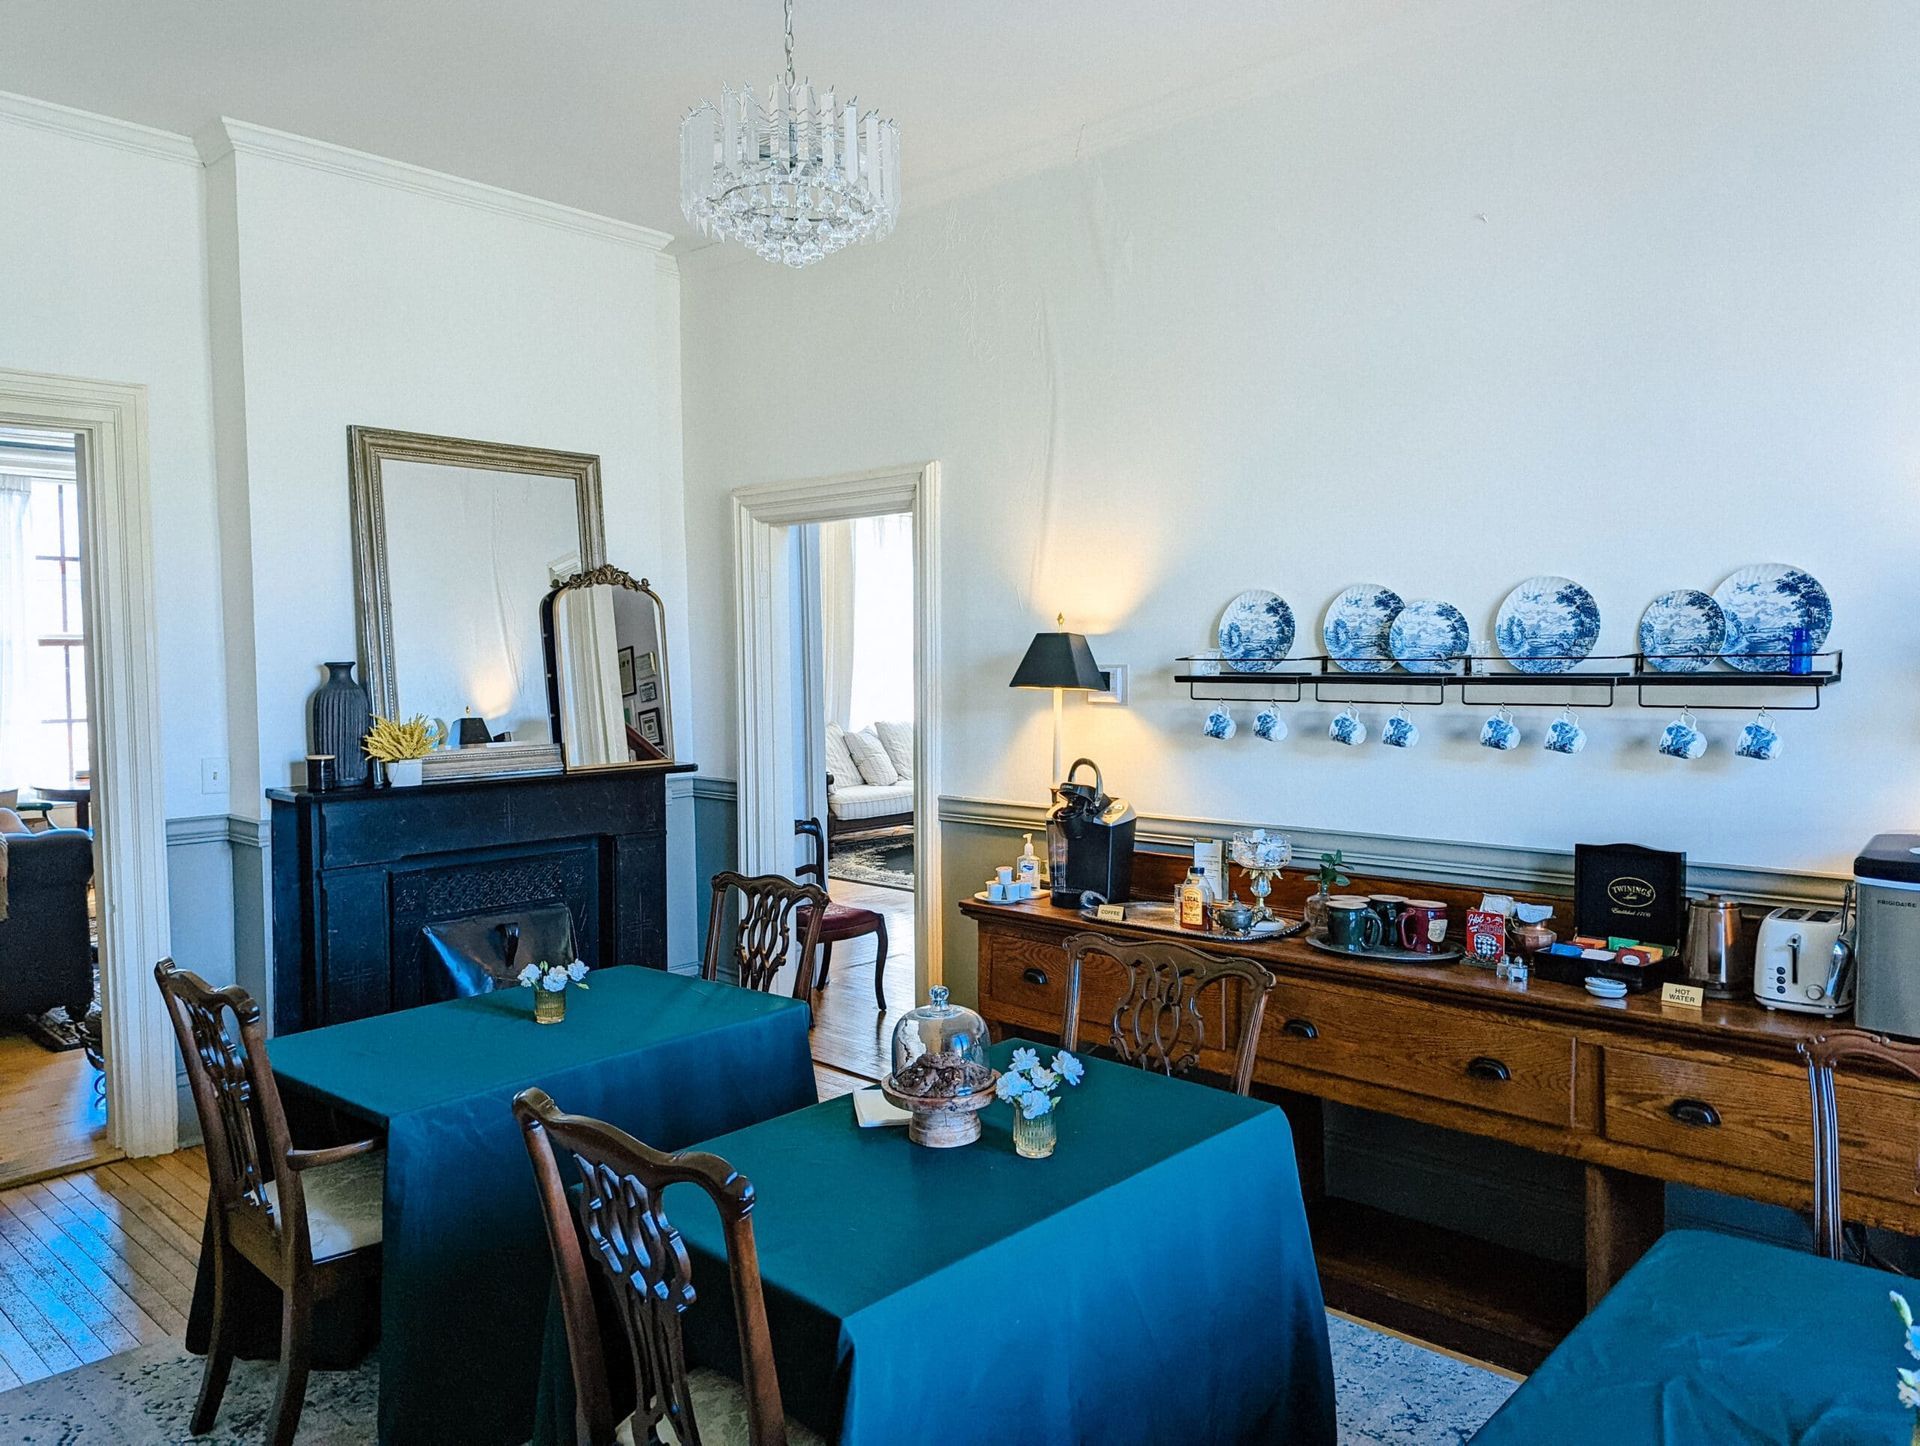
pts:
[1492, 682]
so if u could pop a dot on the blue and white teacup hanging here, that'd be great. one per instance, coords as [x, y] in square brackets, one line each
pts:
[1220, 724]
[1400, 730]
[1564, 735]
[1269, 725]
[1681, 739]
[1759, 739]
[1347, 729]
[1500, 731]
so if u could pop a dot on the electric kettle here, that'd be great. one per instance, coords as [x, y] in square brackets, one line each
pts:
[1710, 954]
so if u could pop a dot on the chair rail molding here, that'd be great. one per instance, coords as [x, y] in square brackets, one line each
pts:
[761, 516]
[1440, 860]
[110, 421]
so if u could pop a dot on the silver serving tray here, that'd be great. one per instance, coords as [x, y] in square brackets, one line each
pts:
[1448, 955]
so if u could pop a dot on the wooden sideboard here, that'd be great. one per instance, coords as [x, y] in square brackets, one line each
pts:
[1636, 1091]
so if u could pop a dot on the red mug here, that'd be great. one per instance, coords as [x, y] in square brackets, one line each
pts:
[1423, 925]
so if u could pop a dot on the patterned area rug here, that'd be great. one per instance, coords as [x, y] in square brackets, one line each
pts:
[146, 1396]
[1391, 1392]
[886, 860]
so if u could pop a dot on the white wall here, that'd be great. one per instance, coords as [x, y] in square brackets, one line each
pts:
[372, 294]
[1627, 293]
[103, 275]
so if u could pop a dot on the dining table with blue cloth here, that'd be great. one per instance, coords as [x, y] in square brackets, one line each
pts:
[466, 1268]
[1150, 1282]
[1717, 1338]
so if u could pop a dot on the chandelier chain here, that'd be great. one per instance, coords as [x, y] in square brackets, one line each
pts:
[789, 5]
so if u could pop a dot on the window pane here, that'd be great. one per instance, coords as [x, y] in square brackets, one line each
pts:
[77, 679]
[75, 617]
[49, 683]
[70, 517]
[45, 517]
[43, 598]
[80, 763]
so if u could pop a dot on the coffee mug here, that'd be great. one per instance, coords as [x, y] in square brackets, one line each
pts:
[1423, 925]
[1681, 739]
[1388, 907]
[1759, 739]
[1351, 924]
[1347, 729]
[1220, 724]
[1564, 735]
[1500, 731]
[1400, 731]
[1268, 724]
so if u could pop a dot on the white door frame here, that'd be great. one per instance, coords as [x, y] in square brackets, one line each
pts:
[110, 421]
[761, 516]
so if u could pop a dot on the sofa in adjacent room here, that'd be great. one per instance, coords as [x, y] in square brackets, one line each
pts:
[869, 778]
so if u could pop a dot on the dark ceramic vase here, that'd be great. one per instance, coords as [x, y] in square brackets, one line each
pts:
[338, 719]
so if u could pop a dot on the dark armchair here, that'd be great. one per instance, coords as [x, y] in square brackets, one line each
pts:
[46, 955]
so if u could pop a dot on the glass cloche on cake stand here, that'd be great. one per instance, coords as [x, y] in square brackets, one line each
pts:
[940, 1072]
[1261, 855]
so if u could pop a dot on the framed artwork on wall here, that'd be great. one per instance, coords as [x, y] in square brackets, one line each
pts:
[647, 692]
[627, 672]
[649, 726]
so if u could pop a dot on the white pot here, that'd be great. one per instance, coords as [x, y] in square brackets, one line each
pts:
[406, 773]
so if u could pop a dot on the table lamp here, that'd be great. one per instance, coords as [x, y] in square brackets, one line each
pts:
[1059, 660]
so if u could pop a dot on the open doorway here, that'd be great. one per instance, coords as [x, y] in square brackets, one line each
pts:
[53, 1097]
[854, 645]
[839, 632]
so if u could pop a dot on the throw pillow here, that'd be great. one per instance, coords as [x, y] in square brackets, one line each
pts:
[897, 739]
[840, 764]
[871, 759]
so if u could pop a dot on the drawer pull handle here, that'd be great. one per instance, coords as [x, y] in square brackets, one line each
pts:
[1301, 1029]
[1695, 1112]
[1036, 977]
[1484, 1066]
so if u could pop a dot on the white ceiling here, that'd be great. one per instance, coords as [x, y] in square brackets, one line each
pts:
[579, 101]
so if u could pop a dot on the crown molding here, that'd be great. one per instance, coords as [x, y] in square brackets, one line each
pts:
[226, 137]
[85, 125]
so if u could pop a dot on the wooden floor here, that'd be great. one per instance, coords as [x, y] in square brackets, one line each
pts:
[99, 1262]
[850, 1035]
[50, 1117]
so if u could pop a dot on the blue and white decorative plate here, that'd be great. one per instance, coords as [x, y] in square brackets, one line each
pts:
[1547, 624]
[1256, 631]
[1428, 637]
[1682, 631]
[1355, 629]
[1763, 605]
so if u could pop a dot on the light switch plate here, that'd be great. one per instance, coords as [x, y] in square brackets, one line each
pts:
[213, 775]
[1116, 694]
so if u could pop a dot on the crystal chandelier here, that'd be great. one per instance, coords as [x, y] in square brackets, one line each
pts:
[795, 178]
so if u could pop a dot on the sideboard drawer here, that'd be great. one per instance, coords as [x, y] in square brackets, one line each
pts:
[1025, 980]
[1753, 1116]
[1463, 1056]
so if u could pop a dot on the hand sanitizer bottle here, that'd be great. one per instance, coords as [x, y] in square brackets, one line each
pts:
[1027, 869]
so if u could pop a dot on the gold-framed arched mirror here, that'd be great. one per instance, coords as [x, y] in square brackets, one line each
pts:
[607, 692]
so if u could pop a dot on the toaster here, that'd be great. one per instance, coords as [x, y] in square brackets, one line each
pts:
[1803, 960]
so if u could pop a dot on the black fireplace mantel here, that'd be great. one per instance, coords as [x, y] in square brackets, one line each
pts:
[357, 873]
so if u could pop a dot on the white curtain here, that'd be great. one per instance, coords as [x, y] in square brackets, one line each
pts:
[836, 619]
[17, 723]
[881, 688]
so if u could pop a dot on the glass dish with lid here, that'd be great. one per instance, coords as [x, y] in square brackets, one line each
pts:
[940, 1072]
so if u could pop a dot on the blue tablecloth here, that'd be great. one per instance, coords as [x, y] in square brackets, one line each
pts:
[465, 1267]
[1715, 1339]
[1151, 1282]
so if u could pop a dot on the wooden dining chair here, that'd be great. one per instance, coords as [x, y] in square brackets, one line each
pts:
[843, 921]
[1158, 1024]
[1820, 1054]
[774, 912]
[307, 1220]
[648, 1279]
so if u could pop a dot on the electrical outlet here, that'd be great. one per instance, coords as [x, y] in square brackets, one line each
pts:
[1116, 694]
[213, 775]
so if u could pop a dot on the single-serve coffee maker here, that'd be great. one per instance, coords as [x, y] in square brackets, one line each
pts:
[1089, 840]
[1886, 944]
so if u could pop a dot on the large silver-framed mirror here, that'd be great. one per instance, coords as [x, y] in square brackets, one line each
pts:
[606, 646]
[456, 544]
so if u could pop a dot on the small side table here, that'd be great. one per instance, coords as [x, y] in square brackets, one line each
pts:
[80, 796]
[33, 813]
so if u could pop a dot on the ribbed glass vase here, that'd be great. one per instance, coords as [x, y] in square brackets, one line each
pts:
[1034, 1138]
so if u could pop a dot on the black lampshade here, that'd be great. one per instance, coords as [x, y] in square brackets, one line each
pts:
[1059, 660]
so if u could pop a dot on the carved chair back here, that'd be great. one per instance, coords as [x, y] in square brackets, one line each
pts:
[1158, 1022]
[816, 837]
[646, 1271]
[761, 944]
[1820, 1055]
[224, 1045]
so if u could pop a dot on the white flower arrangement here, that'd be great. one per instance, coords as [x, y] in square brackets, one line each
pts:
[553, 977]
[1909, 1387]
[1029, 1086]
